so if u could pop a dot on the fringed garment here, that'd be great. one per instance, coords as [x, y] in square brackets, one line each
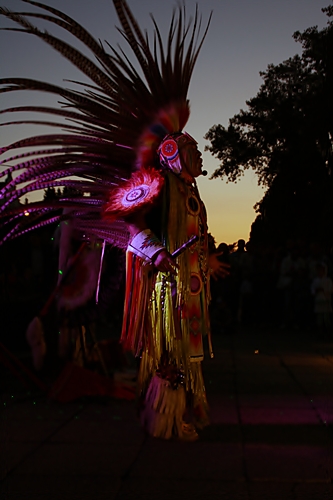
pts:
[165, 317]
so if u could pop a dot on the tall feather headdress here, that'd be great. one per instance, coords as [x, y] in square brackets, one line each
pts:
[112, 127]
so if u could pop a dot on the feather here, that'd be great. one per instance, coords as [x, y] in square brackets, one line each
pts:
[140, 190]
[112, 125]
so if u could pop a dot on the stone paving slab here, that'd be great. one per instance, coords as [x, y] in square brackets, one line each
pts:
[66, 459]
[222, 433]
[38, 408]
[295, 434]
[290, 463]
[62, 487]
[181, 489]
[267, 440]
[12, 455]
[313, 491]
[223, 410]
[275, 401]
[31, 430]
[199, 460]
[270, 490]
[102, 488]
[110, 411]
[118, 432]
[326, 415]
[278, 416]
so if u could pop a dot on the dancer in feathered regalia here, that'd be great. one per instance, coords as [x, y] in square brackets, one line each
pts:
[124, 150]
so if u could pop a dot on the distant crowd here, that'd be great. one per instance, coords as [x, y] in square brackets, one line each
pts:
[285, 287]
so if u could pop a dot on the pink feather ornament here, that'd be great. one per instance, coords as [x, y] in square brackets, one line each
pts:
[141, 190]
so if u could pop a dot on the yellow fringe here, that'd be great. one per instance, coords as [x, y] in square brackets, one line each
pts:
[162, 415]
[149, 326]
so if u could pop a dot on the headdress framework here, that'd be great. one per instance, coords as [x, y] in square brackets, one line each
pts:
[112, 127]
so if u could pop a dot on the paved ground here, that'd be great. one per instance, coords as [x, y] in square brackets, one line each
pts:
[271, 398]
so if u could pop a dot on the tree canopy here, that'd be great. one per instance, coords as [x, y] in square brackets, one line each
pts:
[286, 136]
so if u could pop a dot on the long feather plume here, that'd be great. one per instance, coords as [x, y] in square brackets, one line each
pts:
[112, 126]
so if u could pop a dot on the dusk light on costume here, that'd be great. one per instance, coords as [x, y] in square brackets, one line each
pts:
[134, 169]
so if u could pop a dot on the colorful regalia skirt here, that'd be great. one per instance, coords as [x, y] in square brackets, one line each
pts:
[166, 318]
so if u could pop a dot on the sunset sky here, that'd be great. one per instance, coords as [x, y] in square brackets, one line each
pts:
[244, 37]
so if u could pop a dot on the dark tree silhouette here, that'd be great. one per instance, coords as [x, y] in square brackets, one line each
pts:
[286, 137]
[50, 194]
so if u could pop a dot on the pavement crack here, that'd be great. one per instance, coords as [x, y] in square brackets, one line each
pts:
[124, 478]
[306, 394]
[239, 417]
[40, 444]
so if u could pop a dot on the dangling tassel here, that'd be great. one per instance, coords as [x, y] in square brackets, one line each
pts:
[164, 408]
[100, 272]
[35, 338]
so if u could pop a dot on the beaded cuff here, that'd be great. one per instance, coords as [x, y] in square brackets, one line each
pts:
[145, 244]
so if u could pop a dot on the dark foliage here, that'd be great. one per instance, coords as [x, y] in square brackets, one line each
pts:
[286, 137]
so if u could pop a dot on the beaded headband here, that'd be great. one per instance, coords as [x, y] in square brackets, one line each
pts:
[168, 150]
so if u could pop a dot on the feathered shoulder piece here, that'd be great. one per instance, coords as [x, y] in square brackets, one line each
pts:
[112, 127]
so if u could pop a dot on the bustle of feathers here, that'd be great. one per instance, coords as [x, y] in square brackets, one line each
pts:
[140, 191]
[112, 127]
[80, 284]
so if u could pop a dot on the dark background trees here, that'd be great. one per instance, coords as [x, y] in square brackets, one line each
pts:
[286, 136]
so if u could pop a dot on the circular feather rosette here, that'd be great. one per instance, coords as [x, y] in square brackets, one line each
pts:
[135, 193]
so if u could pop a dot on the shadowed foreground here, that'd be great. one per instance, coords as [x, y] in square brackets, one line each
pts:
[271, 398]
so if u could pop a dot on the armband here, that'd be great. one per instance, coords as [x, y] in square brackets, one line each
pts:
[146, 245]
